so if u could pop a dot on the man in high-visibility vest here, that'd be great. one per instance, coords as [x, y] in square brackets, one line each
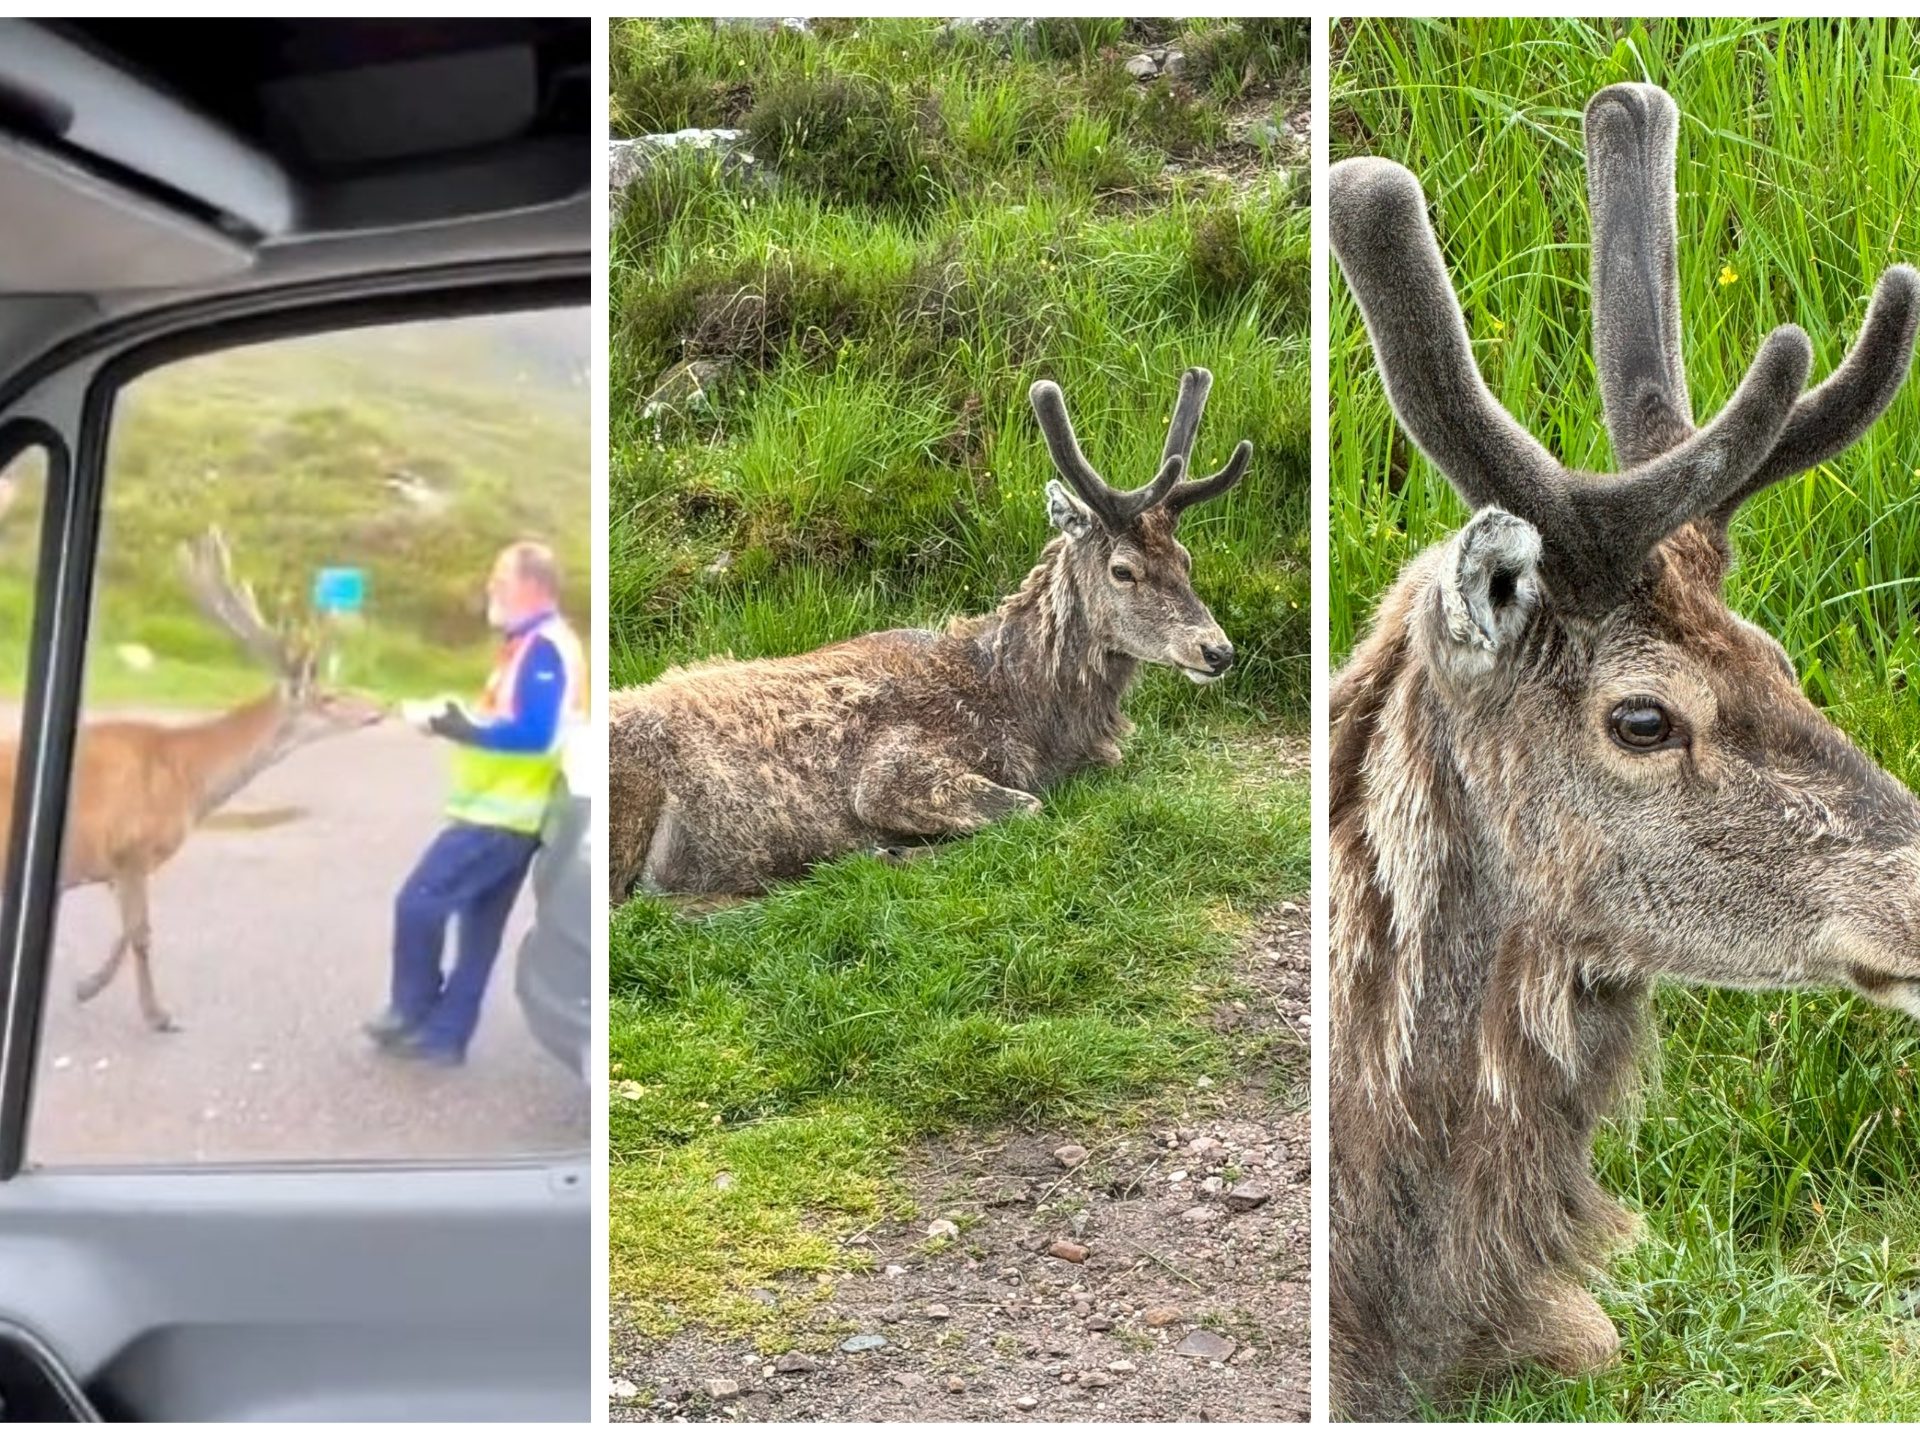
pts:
[506, 764]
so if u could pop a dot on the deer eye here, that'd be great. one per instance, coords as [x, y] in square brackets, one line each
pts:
[1123, 573]
[1642, 725]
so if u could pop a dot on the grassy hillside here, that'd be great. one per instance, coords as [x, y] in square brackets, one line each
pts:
[948, 218]
[415, 452]
[1776, 1164]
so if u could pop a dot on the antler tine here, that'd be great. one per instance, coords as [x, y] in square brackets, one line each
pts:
[1838, 411]
[1632, 134]
[1187, 410]
[1115, 508]
[1192, 492]
[1377, 222]
[228, 603]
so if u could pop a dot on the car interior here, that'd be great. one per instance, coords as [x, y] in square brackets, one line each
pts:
[162, 181]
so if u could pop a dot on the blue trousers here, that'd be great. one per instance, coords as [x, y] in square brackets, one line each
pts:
[474, 872]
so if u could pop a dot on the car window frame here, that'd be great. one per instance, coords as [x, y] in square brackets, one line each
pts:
[63, 604]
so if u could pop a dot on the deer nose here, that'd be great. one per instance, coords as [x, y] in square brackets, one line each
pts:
[1219, 657]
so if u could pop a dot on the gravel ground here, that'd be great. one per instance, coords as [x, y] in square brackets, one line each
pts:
[1152, 1268]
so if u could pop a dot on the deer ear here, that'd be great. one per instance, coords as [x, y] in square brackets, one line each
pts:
[1487, 587]
[1069, 516]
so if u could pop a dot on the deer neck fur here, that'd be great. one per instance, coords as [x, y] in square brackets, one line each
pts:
[219, 756]
[1045, 666]
[1482, 1163]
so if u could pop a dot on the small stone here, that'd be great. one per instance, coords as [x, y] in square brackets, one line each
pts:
[906, 1379]
[1198, 1215]
[1099, 1323]
[894, 1272]
[1069, 1250]
[1176, 1177]
[623, 1390]
[1095, 1380]
[1071, 1156]
[943, 1230]
[937, 1311]
[1142, 67]
[1248, 1195]
[724, 1180]
[1205, 1345]
[1174, 66]
[723, 1389]
[1121, 1367]
[1026, 1402]
[1213, 1184]
[1158, 1317]
[854, 1344]
[955, 1385]
[794, 1363]
[1202, 1083]
[765, 1297]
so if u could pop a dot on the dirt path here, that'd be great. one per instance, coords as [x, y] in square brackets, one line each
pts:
[1160, 1275]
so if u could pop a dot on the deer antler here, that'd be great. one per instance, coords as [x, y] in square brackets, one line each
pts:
[1632, 134]
[230, 604]
[1595, 529]
[1118, 508]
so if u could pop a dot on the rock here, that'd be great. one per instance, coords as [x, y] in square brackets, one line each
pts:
[1248, 1195]
[724, 1180]
[765, 1297]
[854, 1344]
[955, 1385]
[1159, 1317]
[1199, 1214]
[623, 1390]
[943, 1230]
[1099, 1323]
[794, 1363]
[1071, 1156]
[1205, 1345]
[1121, 1367]
[1142, 67]
[937, 1311]
[723, 1389]
[1026, 1402]
[1174, 65]
[1095, 1380]
[1201, 1082]
[1071, 1251]
[906, 1379]
[894, 1272]
[628, 160]
[893, 1314]
[1213, 1184]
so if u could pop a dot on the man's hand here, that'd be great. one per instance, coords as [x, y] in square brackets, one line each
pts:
[443, 717]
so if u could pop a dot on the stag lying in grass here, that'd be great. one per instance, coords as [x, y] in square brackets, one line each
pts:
[730, 775]
[140, 788]
[1562, 771]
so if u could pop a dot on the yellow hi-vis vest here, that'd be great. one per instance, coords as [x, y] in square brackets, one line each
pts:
[512, 791]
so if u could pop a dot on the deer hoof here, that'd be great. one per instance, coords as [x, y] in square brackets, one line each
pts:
[164, 1024]
[88, 988]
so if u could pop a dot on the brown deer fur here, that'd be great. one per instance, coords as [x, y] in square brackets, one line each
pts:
[726, 776]
[139, 788]
[1563, 770]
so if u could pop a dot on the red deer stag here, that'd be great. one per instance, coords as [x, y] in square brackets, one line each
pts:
[729, 775]
[1562, 771]
[139, 788]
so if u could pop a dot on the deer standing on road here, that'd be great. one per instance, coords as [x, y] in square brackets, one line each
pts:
[729, 775]
[1563, 770]
[139, 788]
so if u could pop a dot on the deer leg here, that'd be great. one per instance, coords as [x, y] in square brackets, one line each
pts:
[904, 793]
[97, 980]
[131, 891]
[1566, 1331]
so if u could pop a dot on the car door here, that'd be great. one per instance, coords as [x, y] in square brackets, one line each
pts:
[161, 1259]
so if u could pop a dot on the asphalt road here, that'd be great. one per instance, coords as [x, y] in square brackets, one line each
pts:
[271, 940]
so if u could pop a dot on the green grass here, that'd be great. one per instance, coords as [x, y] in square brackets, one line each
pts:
[947, 223]
[1776, 1163]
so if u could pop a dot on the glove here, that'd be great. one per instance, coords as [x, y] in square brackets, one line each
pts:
[437, 717]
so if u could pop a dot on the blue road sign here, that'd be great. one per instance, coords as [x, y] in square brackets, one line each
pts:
[336, 590]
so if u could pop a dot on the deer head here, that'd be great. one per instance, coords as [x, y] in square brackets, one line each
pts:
[294, 651]
[1133, 576]
[1644, 772]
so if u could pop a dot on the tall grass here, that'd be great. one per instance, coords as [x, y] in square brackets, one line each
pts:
[947, 222]
[1775, 1163]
